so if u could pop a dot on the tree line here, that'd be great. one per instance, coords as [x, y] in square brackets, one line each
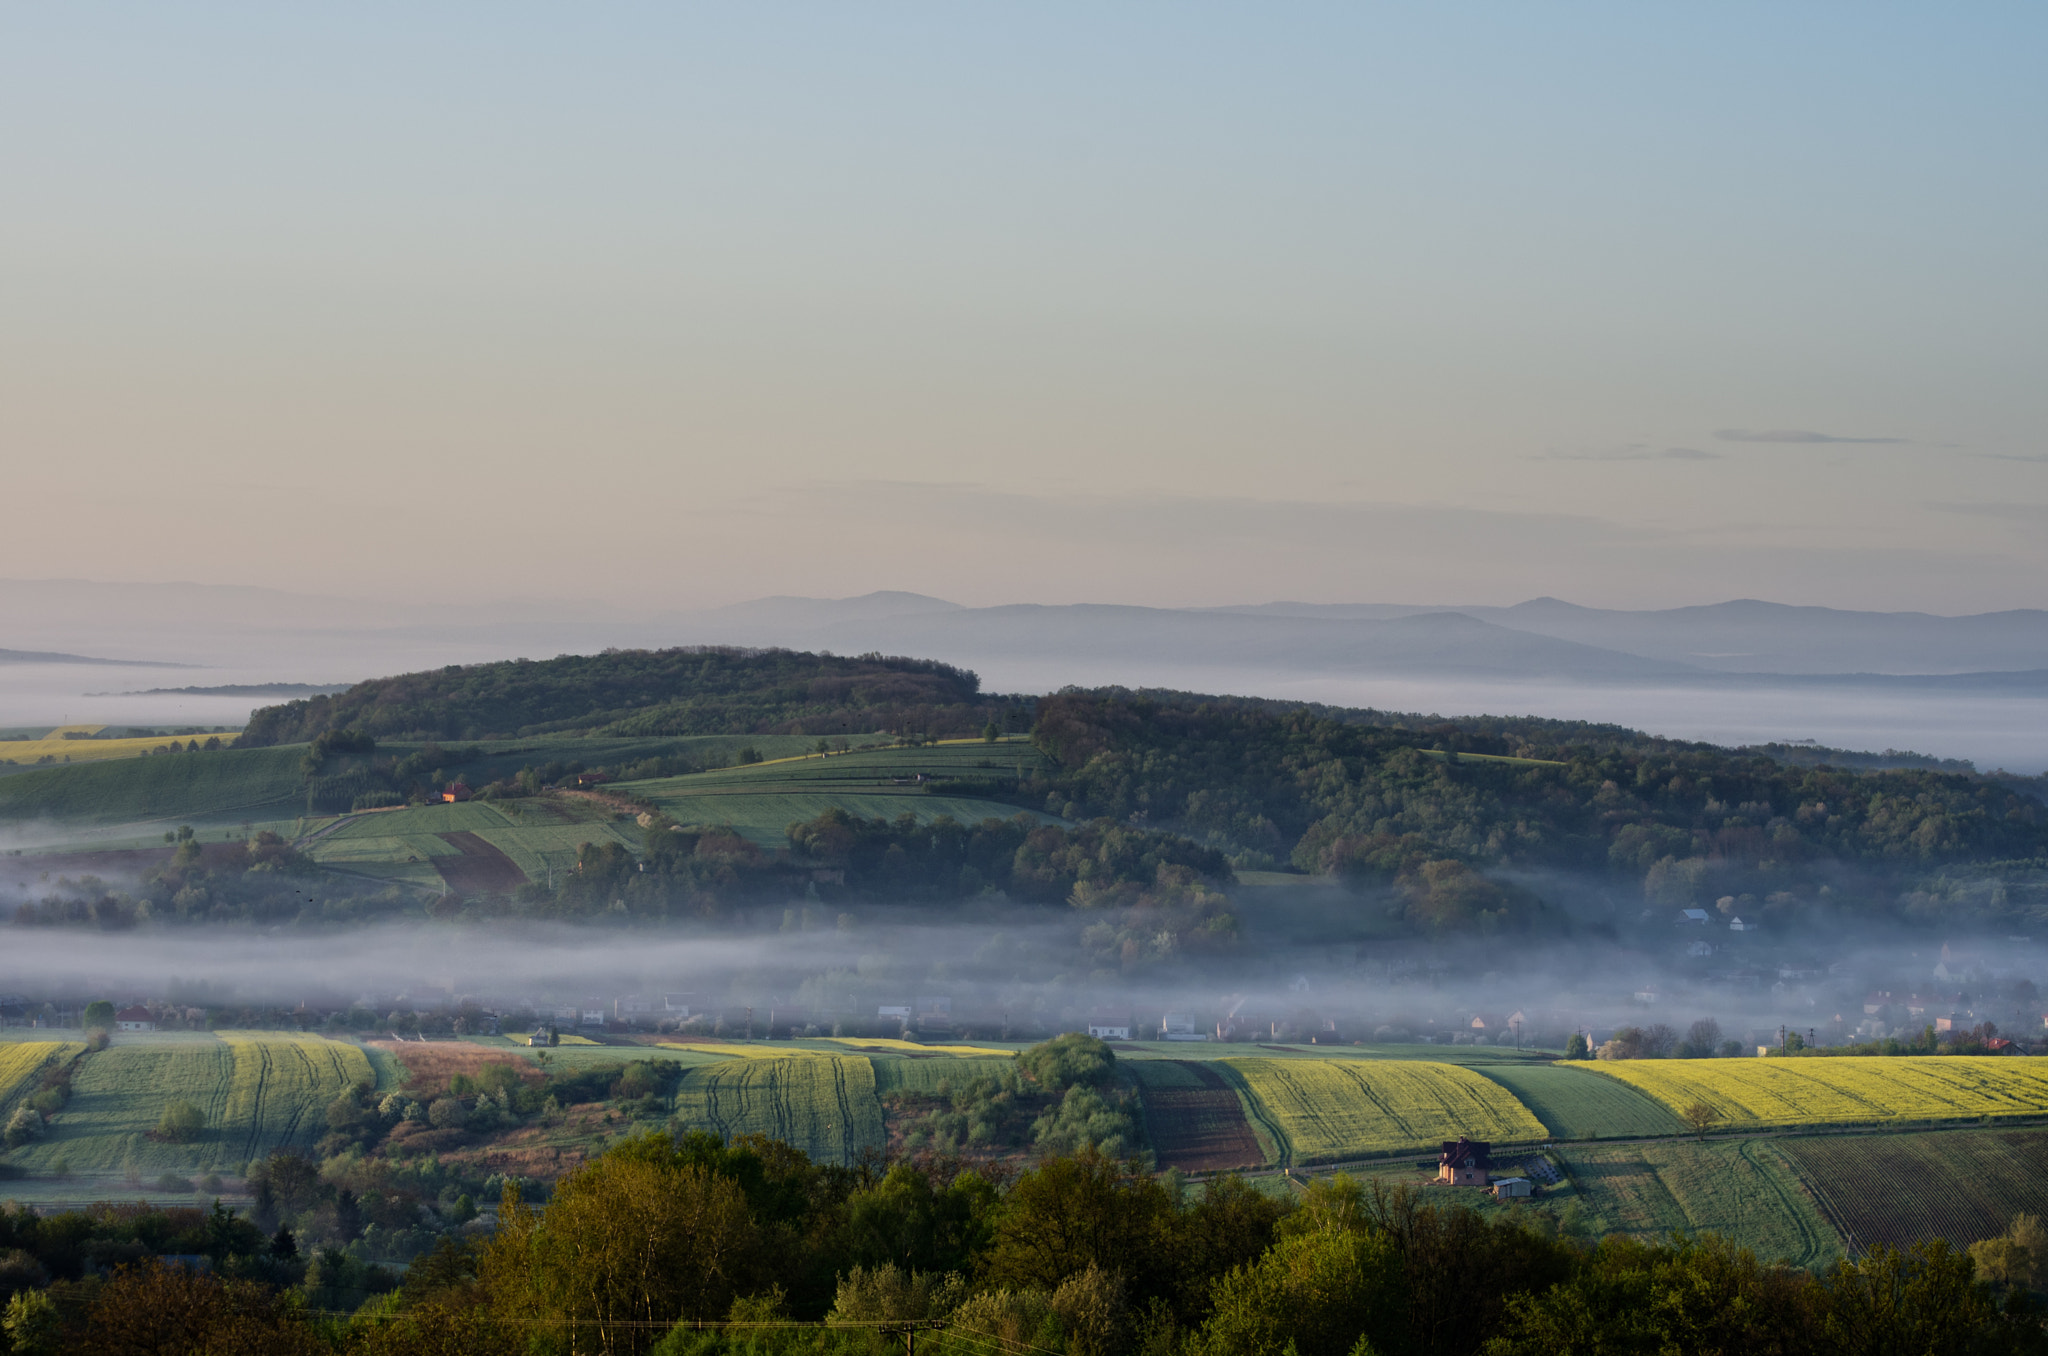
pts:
[672, 1245]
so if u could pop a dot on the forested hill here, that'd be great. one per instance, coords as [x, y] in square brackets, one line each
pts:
[1426, 806]
[687, 691]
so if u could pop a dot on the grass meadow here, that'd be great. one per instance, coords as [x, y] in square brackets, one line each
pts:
[1576, 1103]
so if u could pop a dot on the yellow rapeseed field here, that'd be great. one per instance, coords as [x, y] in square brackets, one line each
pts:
[60, 750]
[912, 1047]
[1325, 1109]
[21, 1061]
[1821, 1091]
[740, 1051]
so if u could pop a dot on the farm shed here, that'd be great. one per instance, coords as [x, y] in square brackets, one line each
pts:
[1512, 1188]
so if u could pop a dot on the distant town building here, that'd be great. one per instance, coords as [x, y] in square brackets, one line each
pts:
[455, 792]
[1109, 1025]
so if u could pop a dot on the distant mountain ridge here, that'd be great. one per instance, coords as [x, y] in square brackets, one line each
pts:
[1542, 638]
[51, 657]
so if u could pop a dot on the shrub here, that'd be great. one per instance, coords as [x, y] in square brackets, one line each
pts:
[181, 1122]
[447, 1113]
[26, 1124]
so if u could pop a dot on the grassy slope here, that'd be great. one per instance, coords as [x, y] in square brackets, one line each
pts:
[1579, 1104]
[761, 800]
[245, 783]
[259, 1091]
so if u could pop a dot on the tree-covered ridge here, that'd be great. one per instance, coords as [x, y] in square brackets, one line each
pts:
[688, 691]
[1691, 822]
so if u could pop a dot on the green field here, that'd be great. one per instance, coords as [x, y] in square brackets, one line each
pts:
[825, 1106]
[1741, 1189]
[931, 1075]
[259, 1091]
[538, 835]
[761, 800]
[227, 784]
[1320, 1111]
[1961, 1185]
[1578, 1104]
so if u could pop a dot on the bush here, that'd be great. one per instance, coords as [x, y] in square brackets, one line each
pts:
[447, 1113]
[170, 1181]
[181, 1123]
[26, 1124]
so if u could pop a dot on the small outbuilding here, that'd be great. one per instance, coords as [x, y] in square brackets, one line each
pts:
[1512, 1188]
[137, 1018]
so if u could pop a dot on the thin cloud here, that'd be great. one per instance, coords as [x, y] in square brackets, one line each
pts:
[1632, 452]
[2033, 458]
[2025, 513]
[1791, 435]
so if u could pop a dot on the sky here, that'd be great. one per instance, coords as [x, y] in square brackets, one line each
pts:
[1154, 303]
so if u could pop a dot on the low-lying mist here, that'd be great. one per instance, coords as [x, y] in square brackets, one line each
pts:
[1018, 973]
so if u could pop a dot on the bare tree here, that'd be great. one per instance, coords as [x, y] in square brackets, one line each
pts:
[1701, 1118]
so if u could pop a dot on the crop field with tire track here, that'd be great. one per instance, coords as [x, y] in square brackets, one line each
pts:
[1961, 1185]
[1741, 1189]
[258, 1091]
[824, 1105]
[1849, 1090]
[1326, 1110]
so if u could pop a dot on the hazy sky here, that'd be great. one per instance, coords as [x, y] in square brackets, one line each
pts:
[1165, 303]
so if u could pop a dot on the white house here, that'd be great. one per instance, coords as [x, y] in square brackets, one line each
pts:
[136, 1018]
[1106, 1025]
[1178, 1026]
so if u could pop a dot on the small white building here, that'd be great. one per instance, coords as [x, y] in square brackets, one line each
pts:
[136, 1018]
[1106, 1025]
[897, 1010]
[592, 1017]
[1179, 1026]
[1512, 1188]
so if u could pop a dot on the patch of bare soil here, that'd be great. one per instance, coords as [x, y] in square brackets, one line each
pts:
[481, 869]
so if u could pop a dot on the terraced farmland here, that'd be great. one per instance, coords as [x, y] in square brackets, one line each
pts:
[825, 1106]
[1961, 1185]
[1320, 1111]
[1577, 1103]
[1741, 1189]
[1842, 1091]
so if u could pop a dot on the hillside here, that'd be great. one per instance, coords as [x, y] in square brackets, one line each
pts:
[690, 691]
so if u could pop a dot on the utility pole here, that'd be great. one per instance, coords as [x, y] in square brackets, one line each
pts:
[909, 1331]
